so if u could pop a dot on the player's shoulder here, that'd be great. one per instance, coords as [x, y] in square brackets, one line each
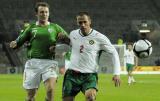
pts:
[54, 24]
[74, 32]
[99, 35]
[30, 26]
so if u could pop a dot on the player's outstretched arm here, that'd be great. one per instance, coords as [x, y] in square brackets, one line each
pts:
[117, 81]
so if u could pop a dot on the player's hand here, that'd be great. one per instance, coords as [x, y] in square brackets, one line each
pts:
[13, 44]
[62, 70]
[52, 48]
[61, 36]
[116, 80]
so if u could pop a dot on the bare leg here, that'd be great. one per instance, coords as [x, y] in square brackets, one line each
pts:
[130, 76]
[31, 94]
[50, 86]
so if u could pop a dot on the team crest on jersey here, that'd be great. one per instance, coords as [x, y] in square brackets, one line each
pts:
[91, 42]
[50, 30]
[34, 31]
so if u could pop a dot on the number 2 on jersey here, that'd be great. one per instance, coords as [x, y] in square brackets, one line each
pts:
[81, 48]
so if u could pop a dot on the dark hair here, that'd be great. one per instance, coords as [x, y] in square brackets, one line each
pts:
[44, 4]
[130, 43]
[84, 13]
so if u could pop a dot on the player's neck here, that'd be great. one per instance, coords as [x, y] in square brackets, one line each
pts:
[86, 32]
[130, 49]
[42, 23]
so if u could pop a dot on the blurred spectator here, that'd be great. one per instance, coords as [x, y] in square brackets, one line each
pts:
[120, 41]
[157, 62]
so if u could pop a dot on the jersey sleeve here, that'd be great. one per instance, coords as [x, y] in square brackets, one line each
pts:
[112, 53]
[23, 37]
[61, 30]
[64, 36]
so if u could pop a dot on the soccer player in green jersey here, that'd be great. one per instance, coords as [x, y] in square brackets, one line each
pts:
[42, 37]
[83, 67]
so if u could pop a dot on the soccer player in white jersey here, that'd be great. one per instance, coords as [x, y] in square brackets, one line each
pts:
[82, 73]
[131, 62]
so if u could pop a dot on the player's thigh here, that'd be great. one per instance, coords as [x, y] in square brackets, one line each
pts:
[90, 81]
[49, 73]
[32, 74]
[50, 83]
[49, 78]
[70, 85]
[129, 68]
[31, 79]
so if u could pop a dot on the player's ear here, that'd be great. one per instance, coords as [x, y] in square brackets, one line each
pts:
[90, 21]
[36, 14]
[77, 22]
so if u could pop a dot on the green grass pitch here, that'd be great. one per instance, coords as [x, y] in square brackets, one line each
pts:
[147, 88]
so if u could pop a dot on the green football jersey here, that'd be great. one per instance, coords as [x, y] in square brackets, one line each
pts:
[40, 38]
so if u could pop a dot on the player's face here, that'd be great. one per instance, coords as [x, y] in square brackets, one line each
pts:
[130, 47]
[84, 22]
[43, 14]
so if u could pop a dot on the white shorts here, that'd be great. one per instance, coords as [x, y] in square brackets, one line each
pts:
[37, 70]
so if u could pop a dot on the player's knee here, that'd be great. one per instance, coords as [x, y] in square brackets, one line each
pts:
[31, 94]
[49, 95]
[50, 90]
[49, 84]
[90, 98]
[90, 95]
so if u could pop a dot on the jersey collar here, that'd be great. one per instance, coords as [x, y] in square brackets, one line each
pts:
[91, 30]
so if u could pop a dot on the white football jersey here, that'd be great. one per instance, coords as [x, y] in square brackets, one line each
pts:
[129, 57]
[85, 51]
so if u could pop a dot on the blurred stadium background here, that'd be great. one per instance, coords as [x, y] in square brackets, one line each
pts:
[117, 19]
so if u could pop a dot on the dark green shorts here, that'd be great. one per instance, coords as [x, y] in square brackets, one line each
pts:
[74, 82]
[129, 67]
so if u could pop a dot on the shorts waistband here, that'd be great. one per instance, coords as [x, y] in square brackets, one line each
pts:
[78, 72]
